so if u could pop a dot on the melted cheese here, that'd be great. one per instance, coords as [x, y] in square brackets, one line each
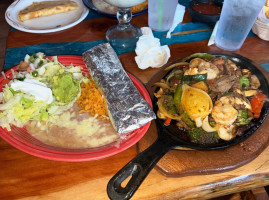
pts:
[74, 130]
[45, 8]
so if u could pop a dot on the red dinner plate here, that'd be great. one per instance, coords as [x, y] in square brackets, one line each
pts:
[21, 139]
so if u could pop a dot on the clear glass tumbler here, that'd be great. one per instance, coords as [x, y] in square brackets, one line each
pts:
[161, 14]
[236, 19]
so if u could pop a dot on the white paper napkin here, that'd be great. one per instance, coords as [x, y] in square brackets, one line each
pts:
[213, 35]
[179, 14]
[262, 17]
[149, 51]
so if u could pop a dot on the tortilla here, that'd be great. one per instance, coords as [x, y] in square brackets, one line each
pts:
[45, 8]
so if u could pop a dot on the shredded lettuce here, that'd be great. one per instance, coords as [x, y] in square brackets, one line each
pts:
[26, 103]
[21, 108]
[52, 70]
[18, 108]
[8, 93]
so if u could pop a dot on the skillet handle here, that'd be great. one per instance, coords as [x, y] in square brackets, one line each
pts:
[138, 168]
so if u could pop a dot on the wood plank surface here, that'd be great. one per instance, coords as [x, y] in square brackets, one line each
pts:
[27, 177]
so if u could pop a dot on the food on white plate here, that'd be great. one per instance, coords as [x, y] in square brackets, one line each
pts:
[105, 7]
[45, 8]
[210, 98]
[59, 105]
[110, 9]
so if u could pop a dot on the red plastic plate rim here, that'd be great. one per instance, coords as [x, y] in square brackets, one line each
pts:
[36, 148]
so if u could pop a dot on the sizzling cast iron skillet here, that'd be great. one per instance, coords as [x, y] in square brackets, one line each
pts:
[169, 137]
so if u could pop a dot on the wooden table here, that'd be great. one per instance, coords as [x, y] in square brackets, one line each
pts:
[23, 176]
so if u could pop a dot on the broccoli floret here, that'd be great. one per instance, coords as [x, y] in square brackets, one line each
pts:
[198, 135]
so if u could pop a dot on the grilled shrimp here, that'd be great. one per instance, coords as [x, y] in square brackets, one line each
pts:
[226, 132]
[224, 115]
[199, 66]
[223, 111]
[227, 100]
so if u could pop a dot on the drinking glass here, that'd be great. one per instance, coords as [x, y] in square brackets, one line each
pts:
[236, 19]
[124, 35]
[161, 14]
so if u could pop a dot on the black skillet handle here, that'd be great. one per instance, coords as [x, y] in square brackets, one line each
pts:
[138, 168]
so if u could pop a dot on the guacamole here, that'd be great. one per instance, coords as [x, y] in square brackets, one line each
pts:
[65, 88]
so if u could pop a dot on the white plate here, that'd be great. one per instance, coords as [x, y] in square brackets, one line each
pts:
[46, 24]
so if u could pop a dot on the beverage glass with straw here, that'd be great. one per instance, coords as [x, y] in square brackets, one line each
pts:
[161, 14]
[124, 35]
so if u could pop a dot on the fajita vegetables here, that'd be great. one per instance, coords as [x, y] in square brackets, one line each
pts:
[59, 105]
[210, 98]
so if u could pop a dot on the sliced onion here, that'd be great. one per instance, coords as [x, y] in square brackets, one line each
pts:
[164, 112]
[162, 85]
[172, 74]
[37, 61]
[3, 74]
[26, 58]
[13, 73]
[206, 126]
[32, 66]
[176, 64]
